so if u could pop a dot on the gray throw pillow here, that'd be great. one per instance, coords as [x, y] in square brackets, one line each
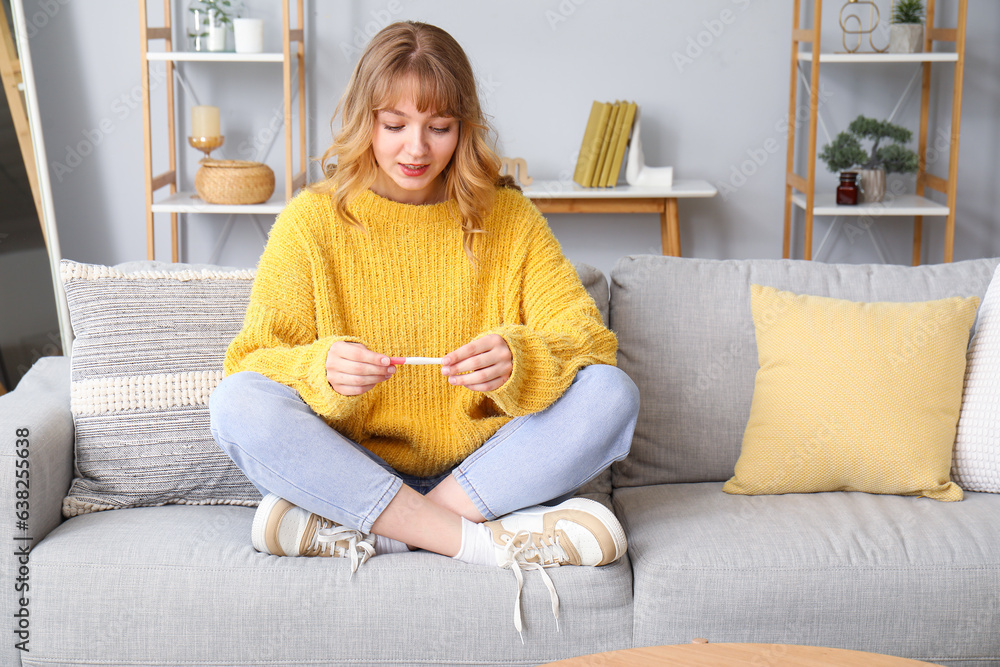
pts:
[150, 341]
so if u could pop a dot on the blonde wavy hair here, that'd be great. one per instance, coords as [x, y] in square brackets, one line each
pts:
[422, 59]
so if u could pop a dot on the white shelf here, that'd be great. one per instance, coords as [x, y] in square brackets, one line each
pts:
[881, 57]
[908, 205]
[216, 57]
[565, 189]
[190, 202]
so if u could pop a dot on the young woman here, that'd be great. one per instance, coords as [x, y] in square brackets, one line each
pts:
[411, 248]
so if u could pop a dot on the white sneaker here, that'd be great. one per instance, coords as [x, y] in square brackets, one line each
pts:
[579, 531]
[283, 529]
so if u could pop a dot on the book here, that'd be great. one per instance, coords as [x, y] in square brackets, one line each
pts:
[620, 143]
[590, 149]
[605, 142]
[602, 158]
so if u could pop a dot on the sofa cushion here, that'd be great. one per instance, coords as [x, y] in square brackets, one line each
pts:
[976, 465]
[181, 585]
[854, 396]
[596, 285]
[843, 570]
[686, 338]
[149, 343]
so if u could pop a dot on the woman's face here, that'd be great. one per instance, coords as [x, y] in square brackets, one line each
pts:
[412, 149]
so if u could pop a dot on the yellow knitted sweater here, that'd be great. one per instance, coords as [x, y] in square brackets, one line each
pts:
[403, 286]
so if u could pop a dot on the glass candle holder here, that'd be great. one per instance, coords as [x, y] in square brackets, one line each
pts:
[206, 144]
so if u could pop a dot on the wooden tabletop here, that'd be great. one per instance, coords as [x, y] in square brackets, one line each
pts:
[737, 655]
[568, 189]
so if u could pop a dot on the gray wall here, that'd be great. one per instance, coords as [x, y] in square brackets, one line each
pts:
[711, 78]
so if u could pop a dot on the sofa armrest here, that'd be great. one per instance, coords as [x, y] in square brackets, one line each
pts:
[37, 411]
[36, 468]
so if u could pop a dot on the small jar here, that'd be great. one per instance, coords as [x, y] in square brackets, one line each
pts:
[847, 191]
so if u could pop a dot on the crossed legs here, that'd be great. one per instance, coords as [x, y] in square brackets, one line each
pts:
[283, 447]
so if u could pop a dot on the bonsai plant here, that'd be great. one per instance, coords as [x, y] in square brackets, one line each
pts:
[846, 152]
[906, 30]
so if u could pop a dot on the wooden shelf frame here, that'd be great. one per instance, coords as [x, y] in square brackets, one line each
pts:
[293, 49]
[806, 185]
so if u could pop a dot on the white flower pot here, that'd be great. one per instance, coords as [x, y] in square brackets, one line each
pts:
[906, 38]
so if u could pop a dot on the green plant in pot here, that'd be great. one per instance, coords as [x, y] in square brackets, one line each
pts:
[847, 152]
[906, 29]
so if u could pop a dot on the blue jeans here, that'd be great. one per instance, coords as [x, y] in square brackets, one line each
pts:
[285, 448]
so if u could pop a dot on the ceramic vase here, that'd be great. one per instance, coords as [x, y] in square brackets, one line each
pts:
[872, 182]
[906, 38]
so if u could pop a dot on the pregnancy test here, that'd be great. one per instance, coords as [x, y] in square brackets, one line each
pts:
[417, 361]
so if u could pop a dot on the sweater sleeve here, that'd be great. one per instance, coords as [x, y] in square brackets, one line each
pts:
[279, 337]
[552, 325]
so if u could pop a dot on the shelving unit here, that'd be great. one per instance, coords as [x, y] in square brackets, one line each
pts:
[186, 201]
[800, 190]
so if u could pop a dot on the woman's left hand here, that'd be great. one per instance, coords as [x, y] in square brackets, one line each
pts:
[482, 365]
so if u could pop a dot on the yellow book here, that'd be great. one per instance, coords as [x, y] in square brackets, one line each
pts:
[602, 159]
[612, 144]
[621, 141]
[591, 146]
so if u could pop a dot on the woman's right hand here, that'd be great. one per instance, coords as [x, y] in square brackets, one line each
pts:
[352, 369]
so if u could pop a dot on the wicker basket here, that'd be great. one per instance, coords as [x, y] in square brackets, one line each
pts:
[234, 182]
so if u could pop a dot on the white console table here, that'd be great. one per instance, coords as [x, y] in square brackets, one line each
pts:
[568, 197]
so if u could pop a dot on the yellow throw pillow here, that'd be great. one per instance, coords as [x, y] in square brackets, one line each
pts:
[854, 396]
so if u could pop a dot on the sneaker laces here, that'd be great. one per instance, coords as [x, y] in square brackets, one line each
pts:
[329, 534]
[518, 550]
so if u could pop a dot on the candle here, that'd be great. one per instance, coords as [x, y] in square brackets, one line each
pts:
[249, 35]
[205, 121]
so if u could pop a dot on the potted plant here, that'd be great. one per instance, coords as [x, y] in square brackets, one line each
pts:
[846, 152]
[906, 30]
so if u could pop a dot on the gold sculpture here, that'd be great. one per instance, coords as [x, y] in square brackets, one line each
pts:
[516, 167]
[857, 27]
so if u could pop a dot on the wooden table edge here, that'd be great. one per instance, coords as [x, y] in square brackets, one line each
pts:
[738, 655]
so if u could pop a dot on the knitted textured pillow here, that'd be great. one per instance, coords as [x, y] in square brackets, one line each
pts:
[976, 463]
[150, 341]
[854, 396]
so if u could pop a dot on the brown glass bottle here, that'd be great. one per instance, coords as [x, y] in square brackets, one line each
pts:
[847, 191]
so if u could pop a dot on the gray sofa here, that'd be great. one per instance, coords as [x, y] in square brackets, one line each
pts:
[181, 585]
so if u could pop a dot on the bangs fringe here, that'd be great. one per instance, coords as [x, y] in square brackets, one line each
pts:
[428, 87]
